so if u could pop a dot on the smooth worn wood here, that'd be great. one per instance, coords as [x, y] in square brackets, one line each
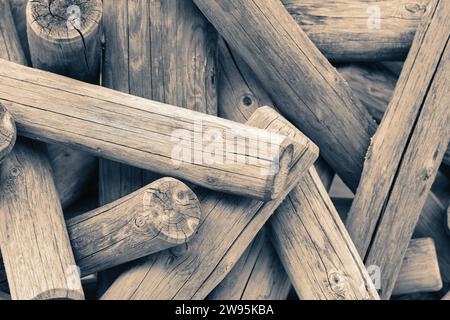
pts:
[10, 48]
[228, 226]
[143, 133]
[359, 30]
[420, 269]
[405, 153]
[64, 37]
[34, 242]
[7, 132]
[162, 215]
[19, 12]
[258, 275]
[299, 79]
[306, 228]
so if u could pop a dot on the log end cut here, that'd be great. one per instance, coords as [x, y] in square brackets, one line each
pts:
[7, 132]
[171, 209]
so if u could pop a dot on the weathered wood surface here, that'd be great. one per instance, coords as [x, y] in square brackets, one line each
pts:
[7, 132]
[34, 242]
[359, 30]
[19, 12]
[64, 37]
[303, 231]
[420, 269]
[405, 153]
[10, 48]
[145, 133]
[141, 61]
[293, 71]
[228, 226]
[258, 275]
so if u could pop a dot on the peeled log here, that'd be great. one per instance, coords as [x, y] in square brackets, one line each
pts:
[143, 133]
[7, 132]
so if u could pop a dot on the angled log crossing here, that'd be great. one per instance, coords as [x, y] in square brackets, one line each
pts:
[228, 226]
[64, 37]
[406, 152]
[7, 132]
[146, 134]
[300, 80]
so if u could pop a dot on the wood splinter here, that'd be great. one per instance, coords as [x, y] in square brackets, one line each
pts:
[7, 132]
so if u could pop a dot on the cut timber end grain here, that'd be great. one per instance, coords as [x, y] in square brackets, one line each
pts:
[64, 37]
[162, 215]
[420, 269]
[7, 132]
[228, 226]
[34, 242]
[303, 84]
[150, 135]
[406, 151]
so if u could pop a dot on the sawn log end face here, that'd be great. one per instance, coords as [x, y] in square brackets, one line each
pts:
[7, 132]
[171, 210]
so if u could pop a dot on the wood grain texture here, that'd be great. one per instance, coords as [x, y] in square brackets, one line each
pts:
[64, 37]
[228, 226]
[405, 153]
[19, 12]
[34, 242]
[306, 230]
[143, 133]
[10, 45]
[359, 30]
[294, 72]
[420, 269]
[8, 132]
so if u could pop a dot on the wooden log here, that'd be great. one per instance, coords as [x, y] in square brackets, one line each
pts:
[306, 228]
[258, 275]
[299, 79]
[358, 30]
[228, 226]
[162, 215]
[64, 37]
[19, 12]
[34, 242]
[9, 44]
[405, 153]
[146, 134]
[139, 60]
[7, 132]
[420, 269]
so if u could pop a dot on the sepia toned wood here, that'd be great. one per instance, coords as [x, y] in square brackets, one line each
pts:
[34, 242]
[10, 48]
[420, 269]
[400, 167]
[144, 133]
[294, 72]
[19, 12]
[64, 37]
[306, 228]
[7, 132]
[228, 226]
[359, 30]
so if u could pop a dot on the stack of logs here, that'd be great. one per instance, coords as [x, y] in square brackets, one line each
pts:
[108, 189]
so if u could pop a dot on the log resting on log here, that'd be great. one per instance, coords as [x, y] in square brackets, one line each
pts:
[147, 134]
[228, 226]
[406, 152]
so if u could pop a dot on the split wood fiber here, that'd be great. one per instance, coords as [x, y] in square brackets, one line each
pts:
[147, 134]
[70, 168]
[139, 60]
[162, 215]
[406, 152]
[7, 132]
[228, 226]
[303, 84]
[64, 37]
[34, 242]
[306, 228]
[358, 30]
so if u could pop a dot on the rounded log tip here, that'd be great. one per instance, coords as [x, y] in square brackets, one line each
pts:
[7, 132]
[61, 294]
[64, 20]
[171, 209]
[284, 164]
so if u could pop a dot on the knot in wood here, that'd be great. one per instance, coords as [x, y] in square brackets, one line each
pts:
[415, 7]
[248, 100]
[338, 282]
